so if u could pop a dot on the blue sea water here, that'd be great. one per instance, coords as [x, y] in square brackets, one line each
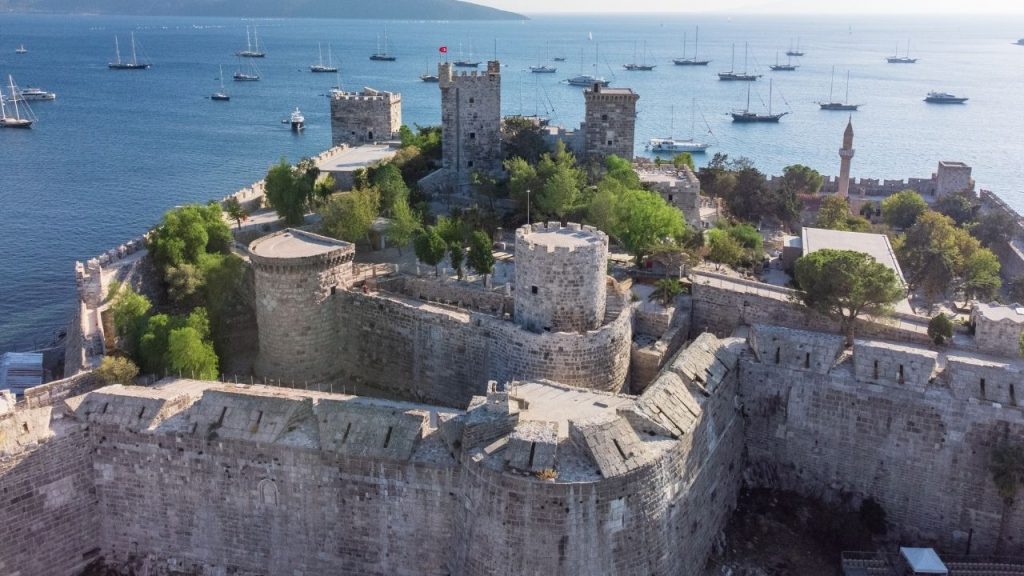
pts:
[118, 148]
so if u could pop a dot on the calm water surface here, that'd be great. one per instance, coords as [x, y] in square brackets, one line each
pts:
[118, 148]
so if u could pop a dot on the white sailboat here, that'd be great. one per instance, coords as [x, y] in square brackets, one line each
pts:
[251, 51]
[17, 120]
[221, 95]
[383, 55]
[671, 145]
[252, 75]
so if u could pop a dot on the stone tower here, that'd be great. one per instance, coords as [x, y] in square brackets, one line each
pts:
[609, 122]
[364, 117]
[845, 157]
[296, 274]
[561, 283]
[470, 122]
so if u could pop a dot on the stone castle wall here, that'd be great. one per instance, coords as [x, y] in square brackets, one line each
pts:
[560, 287]
[470, 121]
[365, 117]
[914, 446]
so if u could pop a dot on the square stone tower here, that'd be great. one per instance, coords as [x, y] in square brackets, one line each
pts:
[470, 122]
[365, 117]
[609, 125]
[952, 177]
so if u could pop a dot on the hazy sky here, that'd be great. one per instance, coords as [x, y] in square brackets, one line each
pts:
[769, 6]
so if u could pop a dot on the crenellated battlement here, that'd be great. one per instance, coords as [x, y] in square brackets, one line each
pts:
[297, 251]
[590, 238]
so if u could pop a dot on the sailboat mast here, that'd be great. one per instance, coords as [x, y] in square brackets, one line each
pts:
[696, 38]
[831, 82]
[255, 40]
[847, 101]
[134, 60]
[770, 92]
[17, 113]
[117, 50]
[693, 118]
[248, 40]
[748, 97]
[222, 78]
[732, 62]
[745, 49]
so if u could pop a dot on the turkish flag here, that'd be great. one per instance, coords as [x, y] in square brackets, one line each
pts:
[443, 49]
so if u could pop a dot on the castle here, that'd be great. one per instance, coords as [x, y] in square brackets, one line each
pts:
[364, 117]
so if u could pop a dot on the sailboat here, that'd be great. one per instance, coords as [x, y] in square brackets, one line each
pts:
[639, 67]
[462, 62]
[797, 52]
[746, 116]
[542, 68]
[337, 91]
[427, 76]
[671, 145]
[832, 104]
[321, 67]
[16, 121]
[732, 75]
[252, 75]
[21, 49]
[221, 95]
[382, 56]
[897, 59]
[587, 80]
[252, 46]
[133, 65]
[684, 61]
[787, 67]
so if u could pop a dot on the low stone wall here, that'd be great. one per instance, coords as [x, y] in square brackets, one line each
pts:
[52, 393]
[451, 293]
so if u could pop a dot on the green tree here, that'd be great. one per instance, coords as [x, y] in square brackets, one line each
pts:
[665, 291]
[117, 370]
[457, 256]
[481, 255]
[323, 189]
[129, 310]
[960, 207]
[902, 209]
[387, 179]
[234, 210]
[184, 282]
[723, 248]
[403, 225]
[800, 179]
[551, 188]
[426, 138]
[523, 138]
[844, 284]
[152, 353]
[350, 216]
[749, 238]
[189, 355]
[977, 269]
[621, 171]
[683, 159]
[289, 190]
[929, 254]
[186, 233]
[222, 293]
[643, 220]
[430, 248]
[993, 228]
[940, 328]
[833, 213]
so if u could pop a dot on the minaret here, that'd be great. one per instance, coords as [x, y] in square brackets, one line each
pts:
[845, 156]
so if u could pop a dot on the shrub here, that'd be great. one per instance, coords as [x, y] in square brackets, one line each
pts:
[940, 328]
[117, 370]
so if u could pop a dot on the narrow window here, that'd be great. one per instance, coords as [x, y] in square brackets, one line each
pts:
[807, 360]
[469, 164]
[141, 412]
[387, 439]
[471, 100]
[533, 289]
[669, 197]
[1013, 395]
[609, 142]
[876, 370]
[223, 413]
[982, 388]
[369, 135]
[778, 354]
[24, 426]
[259, 418]
[901, 373]
[334, 290]
[533, 450]
[347, 430]
[604, 117]
[472, 135]
[619, 448]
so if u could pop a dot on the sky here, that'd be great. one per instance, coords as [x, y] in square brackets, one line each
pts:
[765, 6]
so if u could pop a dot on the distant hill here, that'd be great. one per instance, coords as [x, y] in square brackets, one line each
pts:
[386, 9]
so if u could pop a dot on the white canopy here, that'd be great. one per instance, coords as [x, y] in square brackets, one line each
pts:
[923, 561]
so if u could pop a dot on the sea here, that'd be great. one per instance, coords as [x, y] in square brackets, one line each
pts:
[118, 148]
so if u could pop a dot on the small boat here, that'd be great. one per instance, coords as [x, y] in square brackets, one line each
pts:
[832, 104]
[684, 61]
[252, 46]
[732, 75]
[382, 55]
[543, 69]
[787, 67]
[117, 64]
[944, 98]
[16, 121]
[221, 95]
[464, 62]
[795, 52]
[897, 59]
[747, 117]
[297, 121]
[322, 68]
[30, 93]
[643, 66]
[428, 77]
[562, 58]
[21, 50]
[586, 80]
[671, 145]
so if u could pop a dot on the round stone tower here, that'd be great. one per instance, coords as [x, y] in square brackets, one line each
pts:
[560, 277]
[296, 274]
